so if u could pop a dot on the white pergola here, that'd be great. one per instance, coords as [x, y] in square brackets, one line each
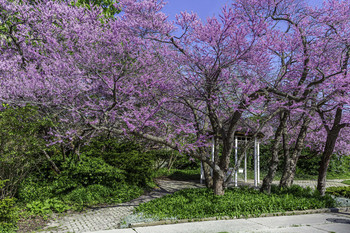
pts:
[243, 138]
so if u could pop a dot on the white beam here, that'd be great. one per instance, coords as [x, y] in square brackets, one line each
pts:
[236, 160]
[245, 161]
[212, 154]
[202, 174]
[255, 164]
[258, 163]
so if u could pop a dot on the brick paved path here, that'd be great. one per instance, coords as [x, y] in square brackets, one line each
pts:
[109, 217]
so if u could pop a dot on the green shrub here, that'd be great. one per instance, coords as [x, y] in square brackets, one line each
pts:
[346, 182]
[22, 131]
[187, 174]
[8, 213]
[88, 171]
[343, 191]
[127, 156]
[32, 189]
[200, 203]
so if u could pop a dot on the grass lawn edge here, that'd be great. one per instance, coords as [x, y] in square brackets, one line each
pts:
[287, 213]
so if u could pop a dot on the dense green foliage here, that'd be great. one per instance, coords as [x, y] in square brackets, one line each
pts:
[308, 164]
[109, 170]
[179, 174]
[346, 182]
[21, 144]
[8, 212]
[90, 181]
[237, 202]
[137, 163]
[339, 191]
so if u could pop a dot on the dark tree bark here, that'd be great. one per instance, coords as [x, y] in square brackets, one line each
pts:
[267, 182]
[207, 175]
[219, 183]
[54, 166]
[291, 161]
[332, 136]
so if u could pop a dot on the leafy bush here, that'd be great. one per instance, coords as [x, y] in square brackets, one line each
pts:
[199, 203]
[346, 182]
[177, 174]
[126, 156]
[88, 171]
[21, 143]
[343, 191]
[8, 213]
[47, 207]
[33, 189]
[89, 182]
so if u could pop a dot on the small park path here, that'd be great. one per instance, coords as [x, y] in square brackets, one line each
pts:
[107, 218]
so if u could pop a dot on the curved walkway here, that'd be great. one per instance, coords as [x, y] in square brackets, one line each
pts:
[107, 218]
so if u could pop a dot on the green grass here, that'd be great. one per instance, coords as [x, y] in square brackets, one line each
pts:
[237, 202]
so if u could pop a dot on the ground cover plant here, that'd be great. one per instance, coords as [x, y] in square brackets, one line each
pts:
[8, 212]
[237, 202]
[339, 191]
[346, 182]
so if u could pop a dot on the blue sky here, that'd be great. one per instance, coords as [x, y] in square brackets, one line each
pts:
[204, 8]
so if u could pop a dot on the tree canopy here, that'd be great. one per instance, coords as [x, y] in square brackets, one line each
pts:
[277, 67]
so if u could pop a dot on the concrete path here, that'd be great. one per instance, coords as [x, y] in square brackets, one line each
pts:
[107, 218]
[312, 223]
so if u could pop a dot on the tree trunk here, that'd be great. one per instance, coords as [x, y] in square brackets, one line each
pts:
[332, 136]
[322, 174]
[55, 168]
[289, 172]
[218, 183]
[267, 182]
[207, 175]
[291, 162]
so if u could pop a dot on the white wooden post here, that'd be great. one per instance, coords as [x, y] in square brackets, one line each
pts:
[245, 161]
[212, 154]
[202, 174]
[258, 163]
[255, 163]
[236, 160]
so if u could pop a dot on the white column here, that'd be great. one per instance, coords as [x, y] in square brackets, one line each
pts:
[202, 174]
[212, 154]
[258, 163]
[236, 159]
[245, 161]
[255, 164]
